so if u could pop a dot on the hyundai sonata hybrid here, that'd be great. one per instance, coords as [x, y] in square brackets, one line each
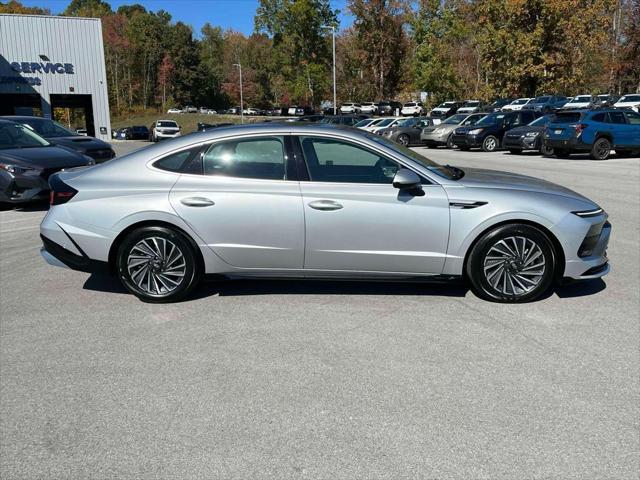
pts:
[317, 201]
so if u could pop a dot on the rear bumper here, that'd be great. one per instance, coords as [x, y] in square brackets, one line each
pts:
[568, 144]
[58, 256]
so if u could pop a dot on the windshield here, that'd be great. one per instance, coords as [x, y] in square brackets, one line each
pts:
[630, 98]
[581, 99]
[48, 128]
[363, 123]
[521, 101]
[168, 124]
[454, 120]
[13, 135]
[385, 122]
[442, 171]
[541, 99]
[491, 119]
[407, 122]
[541, 122]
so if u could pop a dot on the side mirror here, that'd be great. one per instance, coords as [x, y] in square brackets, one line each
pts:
[409, 181]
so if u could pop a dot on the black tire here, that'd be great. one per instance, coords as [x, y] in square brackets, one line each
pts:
[545, 150]
[601, 149]
[515, 151]
[450, 141]
[510, 278]
[164, 285]
[490, 144]
[561, 153]
[403, 139]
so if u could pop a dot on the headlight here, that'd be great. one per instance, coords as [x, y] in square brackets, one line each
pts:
[532, 134]
[15, 169]
[589, 213]
[475, 132]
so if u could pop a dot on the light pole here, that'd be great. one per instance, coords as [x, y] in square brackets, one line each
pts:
[239, 65]
[333, 46]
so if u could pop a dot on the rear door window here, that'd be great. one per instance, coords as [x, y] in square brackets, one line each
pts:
[258, 158]
[616, 117]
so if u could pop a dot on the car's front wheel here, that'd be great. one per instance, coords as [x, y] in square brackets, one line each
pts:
[450, 141]
[157, 264]
[403, 140]
[490, 144]
[512, 263]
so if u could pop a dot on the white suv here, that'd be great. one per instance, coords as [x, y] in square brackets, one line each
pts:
[412, 108]
[369, 107]
[631, 101]
[516, 105]
[162, 129]
[350, 108]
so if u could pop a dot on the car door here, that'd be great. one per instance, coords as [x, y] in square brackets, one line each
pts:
[244, 201]
[620, 130]
[356, 221]
[633, 125]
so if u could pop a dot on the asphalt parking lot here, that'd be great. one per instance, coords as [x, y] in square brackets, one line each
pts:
[318, 380]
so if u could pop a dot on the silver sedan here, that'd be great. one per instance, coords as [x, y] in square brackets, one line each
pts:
[317, 201]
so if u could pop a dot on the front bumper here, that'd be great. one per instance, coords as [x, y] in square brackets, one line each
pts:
[521, 142]
[467, 140]
[21, 188]
[434, 138]
[166, 135]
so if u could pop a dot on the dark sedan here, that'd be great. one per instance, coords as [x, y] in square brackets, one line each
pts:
[528, 137]
[488, 132]
[27, 160]
[407, 132]
[58, 135]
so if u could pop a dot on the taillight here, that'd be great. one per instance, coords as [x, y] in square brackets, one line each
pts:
[60, 191]
[579, 128]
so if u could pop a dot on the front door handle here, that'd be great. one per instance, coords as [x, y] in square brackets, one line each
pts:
[325, 205]
[197, 202]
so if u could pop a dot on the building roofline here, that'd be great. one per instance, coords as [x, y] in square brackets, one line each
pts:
[48, 16]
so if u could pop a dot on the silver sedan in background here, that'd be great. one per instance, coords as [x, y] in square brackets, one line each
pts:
[442, 134]
[317, 201]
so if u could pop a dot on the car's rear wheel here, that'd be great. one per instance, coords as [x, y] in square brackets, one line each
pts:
[601, 149]
[512, 263]
[157, 264]
[490, 144]
[403, 140]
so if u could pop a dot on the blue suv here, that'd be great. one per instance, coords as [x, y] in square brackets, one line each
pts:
[594, 131]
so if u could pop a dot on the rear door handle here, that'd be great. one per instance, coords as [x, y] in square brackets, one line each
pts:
[325, 205]
[197, 202]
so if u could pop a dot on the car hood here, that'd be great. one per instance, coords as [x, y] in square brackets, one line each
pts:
[80, 143]
[45, 157]
[480, 178]
[525, 129]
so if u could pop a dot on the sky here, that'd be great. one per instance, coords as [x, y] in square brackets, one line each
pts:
[233, 14]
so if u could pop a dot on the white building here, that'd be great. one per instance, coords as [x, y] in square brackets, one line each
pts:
[48, 62]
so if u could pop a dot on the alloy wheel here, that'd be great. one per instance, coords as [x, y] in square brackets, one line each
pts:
[156, 265]
[514, 266]
[403, 140]
[490, 144]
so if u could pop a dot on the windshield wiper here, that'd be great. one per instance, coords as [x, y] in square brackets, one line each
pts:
[457, 173]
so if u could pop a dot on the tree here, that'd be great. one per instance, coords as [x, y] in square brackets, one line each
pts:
[382, 43]
[87, 8]
[300, 43]
[164, 77]
[13, 6]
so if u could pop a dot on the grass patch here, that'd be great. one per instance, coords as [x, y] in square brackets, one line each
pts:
[187, 121]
